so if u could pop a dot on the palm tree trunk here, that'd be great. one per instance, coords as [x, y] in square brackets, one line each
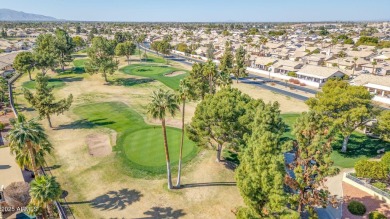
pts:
[29, 75]
[32, 158]
[181, 144]
[169, 175]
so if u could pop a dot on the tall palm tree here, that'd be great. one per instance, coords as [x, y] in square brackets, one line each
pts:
[44, 191]
[263, 41]
[27, 138]
[374, 63]
[354, 65]
[164, 102]
[184, 93]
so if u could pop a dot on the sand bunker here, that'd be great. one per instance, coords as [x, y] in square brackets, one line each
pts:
[99, 145]
[175, 73]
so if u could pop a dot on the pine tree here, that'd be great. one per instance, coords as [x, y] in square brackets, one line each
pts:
[43, 100]
[101, 55]
[64, 47]
[312, 163]
[223, 119]
[227, 59]
[239, 69]
[260, 175]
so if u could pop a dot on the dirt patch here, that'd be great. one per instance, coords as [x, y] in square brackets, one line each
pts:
[98, 145]
[175, 73]
[287, 104]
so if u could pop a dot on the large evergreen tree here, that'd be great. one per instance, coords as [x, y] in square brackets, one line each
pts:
[24, 63]
[311, 163]
[260, 175]
[239, 69]
[125, 49]
[226, 65]
[101, 55]
[64, 47]
[45, 54]
[223, 119]
[344, 106]
[43, 100]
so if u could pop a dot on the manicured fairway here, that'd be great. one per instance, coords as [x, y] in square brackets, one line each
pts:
[360, 146]
[155, 72]
[142, 144]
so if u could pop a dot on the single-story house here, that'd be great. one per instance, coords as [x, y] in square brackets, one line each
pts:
[263, 63]
[379, 86]
[316, 75]
[285, 66]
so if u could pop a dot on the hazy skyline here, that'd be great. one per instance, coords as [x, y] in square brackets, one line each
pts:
[206, 10]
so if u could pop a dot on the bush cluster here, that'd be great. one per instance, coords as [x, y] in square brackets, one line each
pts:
[376, 215]
[356, 208]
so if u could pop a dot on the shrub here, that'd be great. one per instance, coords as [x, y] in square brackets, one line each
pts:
[292, 74]
[356, 208]
[2, 126]
[371, 169]
[380, 185]
[386, 159]
[345, 77]
[272, 84]
[376, 215]
[302, 84]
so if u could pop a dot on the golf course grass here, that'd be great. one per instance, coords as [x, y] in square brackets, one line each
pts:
[360, 146]
[53, 82]
[140, 143]
[155, 72]
[76, 73]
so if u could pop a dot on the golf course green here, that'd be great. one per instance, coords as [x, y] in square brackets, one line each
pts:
[156, 72]
[142, 144]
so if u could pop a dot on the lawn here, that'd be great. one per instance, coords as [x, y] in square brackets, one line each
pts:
[142, 144]
[69, 75]
[53, 82]
[360, 146]
[156, 72]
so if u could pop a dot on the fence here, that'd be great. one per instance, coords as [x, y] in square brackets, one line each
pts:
[64, 210]
[63, 213]
[385, 196]
[11, 97]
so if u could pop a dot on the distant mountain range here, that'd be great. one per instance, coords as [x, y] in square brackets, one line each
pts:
[11, 15]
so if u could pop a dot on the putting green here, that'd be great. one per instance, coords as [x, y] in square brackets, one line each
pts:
[156, 72]
[140, 143]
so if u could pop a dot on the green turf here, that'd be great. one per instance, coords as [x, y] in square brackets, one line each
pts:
[58, 81]
[53, 82]
[142, 144]
[360, 146]
[155, 72]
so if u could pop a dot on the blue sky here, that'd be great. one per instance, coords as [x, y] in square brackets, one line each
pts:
[206, 10]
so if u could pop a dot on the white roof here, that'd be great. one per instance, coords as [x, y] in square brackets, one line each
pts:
[318, 71]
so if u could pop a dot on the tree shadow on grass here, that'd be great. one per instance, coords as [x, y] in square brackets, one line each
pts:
[158, 213]
[127, 82]
[361, 145]
[85, 124]
[66, 79]
[116, 200]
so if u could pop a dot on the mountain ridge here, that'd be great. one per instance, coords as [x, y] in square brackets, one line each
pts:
[12, 15]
